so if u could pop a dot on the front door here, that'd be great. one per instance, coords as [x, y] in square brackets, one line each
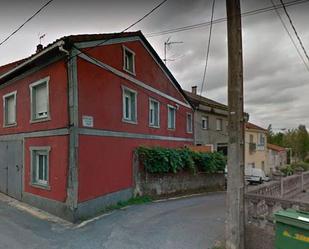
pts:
[11, 167]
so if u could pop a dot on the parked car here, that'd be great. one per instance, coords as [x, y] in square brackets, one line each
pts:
[254, 175]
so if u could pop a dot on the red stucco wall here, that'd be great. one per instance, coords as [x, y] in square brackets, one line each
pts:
[58, 161]
[58, 100]
[105, 163]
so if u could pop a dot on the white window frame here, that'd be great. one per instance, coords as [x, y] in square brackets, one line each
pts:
[174, 125]
[221, 124]
[6, 96]
[191, 122]
[33, 118]
[124, 118]
[152, 100]
[206, 119]
[34, 152]
[125, 49]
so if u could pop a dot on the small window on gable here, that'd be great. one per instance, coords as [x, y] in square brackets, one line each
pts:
[128, 60]
[205, 123]
[171, 117]
[189, 123]
[154, 113]
[40, 166]
[129, 98]
[39, 100]
[9, 109]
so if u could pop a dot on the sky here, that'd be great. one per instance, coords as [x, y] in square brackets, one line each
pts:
[275, 78]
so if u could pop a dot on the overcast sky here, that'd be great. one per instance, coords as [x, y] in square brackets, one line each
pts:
[276, 81]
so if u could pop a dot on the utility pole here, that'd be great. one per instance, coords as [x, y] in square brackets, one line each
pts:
[235, 226]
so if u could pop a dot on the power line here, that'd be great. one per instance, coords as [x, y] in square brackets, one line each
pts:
[223, 19]
[130, 26]
[28, 20]
[295, 31]
[290, 36]
[208, 45]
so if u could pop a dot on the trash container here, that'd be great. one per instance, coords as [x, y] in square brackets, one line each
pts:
[292, 229]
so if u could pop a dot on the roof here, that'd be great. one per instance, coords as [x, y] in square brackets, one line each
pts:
[275, 147]
[252, 126]
[198, 99]
[70, 40]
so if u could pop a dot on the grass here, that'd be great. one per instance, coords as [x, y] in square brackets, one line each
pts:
[121, 204]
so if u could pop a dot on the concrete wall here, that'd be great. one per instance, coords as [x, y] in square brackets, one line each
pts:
[180, 183]
[210, 135]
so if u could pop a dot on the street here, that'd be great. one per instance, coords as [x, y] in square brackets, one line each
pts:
[195, 223]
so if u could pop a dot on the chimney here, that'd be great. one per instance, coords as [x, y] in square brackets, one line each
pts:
[39, 48]
[194, 90]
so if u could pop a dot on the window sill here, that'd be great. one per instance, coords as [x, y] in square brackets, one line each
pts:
[171, 129]
[40, 186]
[128, 71]
[190, 132]
[9, 125]
[129, 121]
[154, 126]
[39, 120]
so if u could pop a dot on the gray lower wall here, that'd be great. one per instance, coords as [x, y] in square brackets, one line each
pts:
[57, 208]
[185, 182]
[260, 237]
[92, 207]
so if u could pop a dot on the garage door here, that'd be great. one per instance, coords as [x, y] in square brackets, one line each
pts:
[11, 165]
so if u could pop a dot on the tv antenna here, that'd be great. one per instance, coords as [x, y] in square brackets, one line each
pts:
[167, 45]
[41, 37]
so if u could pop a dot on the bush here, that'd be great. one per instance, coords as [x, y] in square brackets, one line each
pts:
[287, 170]
[303, 165]
[169, 160]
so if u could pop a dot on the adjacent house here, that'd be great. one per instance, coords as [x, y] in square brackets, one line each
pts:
[74, 112]
[277, 156]
[211, 120]
[256, 147]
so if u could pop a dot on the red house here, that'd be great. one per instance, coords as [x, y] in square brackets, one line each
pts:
[74, 112]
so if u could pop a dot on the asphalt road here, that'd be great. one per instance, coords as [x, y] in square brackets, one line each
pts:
[190, 223]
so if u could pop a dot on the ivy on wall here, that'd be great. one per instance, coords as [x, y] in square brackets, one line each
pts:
[171, 160]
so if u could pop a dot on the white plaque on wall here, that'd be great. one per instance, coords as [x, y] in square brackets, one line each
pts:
[87, 121]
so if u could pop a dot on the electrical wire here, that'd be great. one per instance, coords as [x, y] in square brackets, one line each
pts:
[290, 36]
[28, 20]
[295, 31]
[208, 46]
[223, 19]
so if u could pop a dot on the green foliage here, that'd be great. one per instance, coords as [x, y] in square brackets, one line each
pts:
[287, 170]
[169, 160]
[303, 165]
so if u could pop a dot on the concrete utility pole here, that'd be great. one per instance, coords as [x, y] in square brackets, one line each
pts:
[235, 227]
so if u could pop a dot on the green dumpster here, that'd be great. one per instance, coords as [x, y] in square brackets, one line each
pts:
[292, 229]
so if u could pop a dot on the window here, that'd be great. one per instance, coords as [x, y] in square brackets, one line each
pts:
[189, 122]
[129, 105]
[9, 109]
[154, 113]
[128, 60]
[219, 124]
[40, 165]
[261, 139]
[205, 123]
[39, 100]
[171, 117]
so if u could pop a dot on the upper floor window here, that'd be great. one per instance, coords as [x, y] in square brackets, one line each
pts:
[261, 139]
[39, 94]
[154, 113]
[40, 166]
[205, 123]
[129, 98]
[128, 60]
[219, 124]
[189, 123]
[171, 117]
[9, 109]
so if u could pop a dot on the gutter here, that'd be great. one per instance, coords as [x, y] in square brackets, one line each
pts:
[46, 50]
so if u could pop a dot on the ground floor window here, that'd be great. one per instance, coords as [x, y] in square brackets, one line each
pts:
[40, 165]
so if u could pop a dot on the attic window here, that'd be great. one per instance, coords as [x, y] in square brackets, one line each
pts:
[128, 60]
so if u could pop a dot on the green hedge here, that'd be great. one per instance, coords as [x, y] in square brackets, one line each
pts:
[170, 160]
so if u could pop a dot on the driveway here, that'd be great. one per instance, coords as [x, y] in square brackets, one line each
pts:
[194, 222]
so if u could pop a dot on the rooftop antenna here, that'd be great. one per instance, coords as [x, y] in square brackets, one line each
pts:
[41, 37]
[167, 45]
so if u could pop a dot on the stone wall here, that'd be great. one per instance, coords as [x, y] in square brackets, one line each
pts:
[181, 183]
